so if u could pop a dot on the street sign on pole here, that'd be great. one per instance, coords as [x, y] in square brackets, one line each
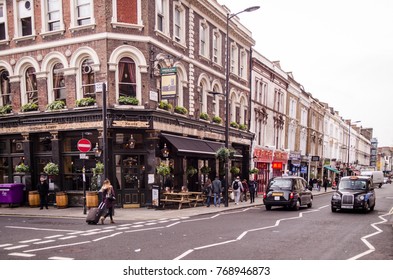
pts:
[84, 145]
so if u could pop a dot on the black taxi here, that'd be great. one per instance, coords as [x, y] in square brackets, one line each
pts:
[354, 192]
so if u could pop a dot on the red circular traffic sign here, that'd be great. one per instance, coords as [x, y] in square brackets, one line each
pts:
[84, 145]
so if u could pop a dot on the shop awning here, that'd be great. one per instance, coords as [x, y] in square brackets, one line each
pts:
[331, 169]
[194, 146]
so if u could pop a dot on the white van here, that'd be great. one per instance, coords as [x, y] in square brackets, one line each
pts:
[376, 176]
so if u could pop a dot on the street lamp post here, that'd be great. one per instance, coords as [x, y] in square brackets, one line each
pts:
[349, 142]
[229, 17]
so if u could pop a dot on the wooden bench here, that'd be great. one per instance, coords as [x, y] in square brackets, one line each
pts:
[176, 198]
[196, 197]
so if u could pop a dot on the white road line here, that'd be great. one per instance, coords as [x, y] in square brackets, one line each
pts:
[16, 247]
[109, 236]
[5, 245]
[30, 241]
[44, 242]
[57, 246]
[243, 234]
[22, 255]
[54, 236]
[67, 237]
[41, 229]
[371, 248]
[60, 258]
[143, 229]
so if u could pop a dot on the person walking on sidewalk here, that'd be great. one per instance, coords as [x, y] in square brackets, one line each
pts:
[237, 189]
[43, 190]
[217, 189]
[243, 195]
[107, 194]
[207, 190]
[252, 189]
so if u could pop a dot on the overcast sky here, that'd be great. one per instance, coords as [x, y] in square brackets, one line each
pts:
[341, 51]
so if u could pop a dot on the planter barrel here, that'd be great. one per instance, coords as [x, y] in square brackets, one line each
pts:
[91, 199]
[61, 200]
[34, 199]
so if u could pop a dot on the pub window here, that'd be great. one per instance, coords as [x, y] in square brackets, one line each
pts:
[160, 15]
[127, 79]
[31, 86]
[88, 79]
[5, 89]
[25, 16]
[53, 14]
[2, 21]
[59, 90]
[83, 12]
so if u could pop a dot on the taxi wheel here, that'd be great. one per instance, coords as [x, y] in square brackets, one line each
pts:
[310, 204]
[334, 209]
[268, 207]
[365, 208]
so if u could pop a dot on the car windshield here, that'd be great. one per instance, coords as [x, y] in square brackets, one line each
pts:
[352, 185]
[281, 184]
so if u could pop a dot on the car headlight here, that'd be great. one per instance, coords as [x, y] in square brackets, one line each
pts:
[361, 197]
[336, 196]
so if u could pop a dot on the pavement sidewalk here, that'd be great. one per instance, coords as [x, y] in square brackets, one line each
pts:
[133, 214]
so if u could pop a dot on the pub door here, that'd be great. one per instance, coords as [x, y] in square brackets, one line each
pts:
[130, 180]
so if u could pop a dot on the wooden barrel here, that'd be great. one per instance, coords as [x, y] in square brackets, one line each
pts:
[61, 200]
[91, 199]
[34, 199]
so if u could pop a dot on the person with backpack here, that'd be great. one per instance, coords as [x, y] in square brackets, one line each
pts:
[252, 188]
[237, 187]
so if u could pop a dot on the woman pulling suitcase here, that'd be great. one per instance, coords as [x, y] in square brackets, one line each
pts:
[108, 197]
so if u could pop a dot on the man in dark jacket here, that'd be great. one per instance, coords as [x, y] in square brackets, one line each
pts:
[43, 190]
[217, 189]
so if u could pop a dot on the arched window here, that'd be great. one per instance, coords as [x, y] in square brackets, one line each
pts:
[88, 79]
[59, 90]
[5, 89]
[31, 86]
[127, 77]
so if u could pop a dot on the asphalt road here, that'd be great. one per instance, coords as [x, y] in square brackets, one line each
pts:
[247, 234]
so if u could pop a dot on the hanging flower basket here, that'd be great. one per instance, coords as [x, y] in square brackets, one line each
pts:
[191, 171]
[22, 168]
[51, 169]
[254, 171]
[235, 170]
[163, 169]
[205, 169]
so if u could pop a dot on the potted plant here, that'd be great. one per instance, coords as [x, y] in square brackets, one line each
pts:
[234, 125]
[85, 102]
[217, 119]
[242, 126]
[191, 171]
[22, 168]
[56, 105]
[204, 116]
[181, 110]
[28, 107]
[165, 105]
[128, 100]
[235, 170]
[205, 169]
[6, 109]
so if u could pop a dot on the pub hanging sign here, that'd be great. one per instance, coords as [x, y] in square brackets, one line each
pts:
[168, 82]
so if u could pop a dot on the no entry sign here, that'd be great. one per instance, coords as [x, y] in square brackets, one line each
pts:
[84, 145]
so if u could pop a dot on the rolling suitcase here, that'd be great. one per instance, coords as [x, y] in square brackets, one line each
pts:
[95, 214]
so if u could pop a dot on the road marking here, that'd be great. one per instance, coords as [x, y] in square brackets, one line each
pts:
[57, 246]
[67, 237]
[22, 255]
[44, 242]
[5, 245]
[371, 248]
[60, 258]
[243, 234]
[16, 247]
[108, 236]
[31, 240]
[54, 236]
[41, 229]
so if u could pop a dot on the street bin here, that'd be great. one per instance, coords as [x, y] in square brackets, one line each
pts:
[11, 194]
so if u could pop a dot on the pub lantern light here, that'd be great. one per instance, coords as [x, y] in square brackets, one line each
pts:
[165, 151]
[131, 143]
[97, 151]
